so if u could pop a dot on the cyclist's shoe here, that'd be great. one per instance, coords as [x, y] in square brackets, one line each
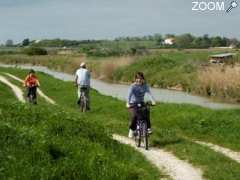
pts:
[149, 130]
[130, 134]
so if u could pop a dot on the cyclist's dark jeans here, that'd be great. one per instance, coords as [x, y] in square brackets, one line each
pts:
[134, 115]
[33, 91]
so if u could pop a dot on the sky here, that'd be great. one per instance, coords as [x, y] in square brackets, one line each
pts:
[108, 19]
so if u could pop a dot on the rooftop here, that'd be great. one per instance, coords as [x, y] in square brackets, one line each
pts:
[223, 55]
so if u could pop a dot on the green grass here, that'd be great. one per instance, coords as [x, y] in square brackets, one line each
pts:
[214, 165]
[159, 72]
[174, 126]
[220, 126]
[6, 93]
[46, 142]
[166, 69]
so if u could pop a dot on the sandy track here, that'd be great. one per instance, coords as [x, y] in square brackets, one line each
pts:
[177, 169]
[49, 100]
[17, 91]
[225, 151]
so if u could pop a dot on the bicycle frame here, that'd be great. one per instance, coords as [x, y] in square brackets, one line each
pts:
[32, 98]
[141, 131]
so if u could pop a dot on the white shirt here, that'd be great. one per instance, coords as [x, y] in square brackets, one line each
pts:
[83, 76]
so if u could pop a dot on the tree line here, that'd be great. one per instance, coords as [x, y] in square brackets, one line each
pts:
[180, 41]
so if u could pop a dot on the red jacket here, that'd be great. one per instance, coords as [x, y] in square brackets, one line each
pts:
[31, 80]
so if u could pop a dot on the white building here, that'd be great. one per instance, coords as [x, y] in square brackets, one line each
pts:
[169, 41]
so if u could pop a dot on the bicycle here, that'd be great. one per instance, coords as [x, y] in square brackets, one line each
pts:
[32, 95]
[83, 99]
[141, 134]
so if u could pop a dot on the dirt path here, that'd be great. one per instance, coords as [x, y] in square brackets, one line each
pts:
[225, 151]
[17, 91]
[175, 168]
[49, 100]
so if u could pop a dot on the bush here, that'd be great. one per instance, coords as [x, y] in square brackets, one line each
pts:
[35, 51]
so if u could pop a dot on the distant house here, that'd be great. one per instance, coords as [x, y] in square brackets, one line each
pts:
[169, 41]
[222, 58]
[232, 46]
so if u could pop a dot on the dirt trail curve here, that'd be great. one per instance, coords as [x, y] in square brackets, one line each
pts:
[225, 151]
[175, 168]
[17, 91]
[38, 91]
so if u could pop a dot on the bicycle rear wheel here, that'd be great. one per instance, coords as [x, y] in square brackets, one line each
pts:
[30, 98]
[83, 103]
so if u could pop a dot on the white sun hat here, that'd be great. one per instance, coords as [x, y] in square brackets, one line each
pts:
[82, 64]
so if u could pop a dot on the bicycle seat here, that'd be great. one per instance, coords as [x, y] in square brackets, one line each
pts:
[84, 87]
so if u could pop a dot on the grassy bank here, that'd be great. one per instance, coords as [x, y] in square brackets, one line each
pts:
[6, 93]
[51, 142]
[219, 126]
[175, 126]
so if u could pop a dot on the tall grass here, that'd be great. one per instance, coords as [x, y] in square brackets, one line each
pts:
[108, 67]
[220, 81]
[100, 67]
[162, 70]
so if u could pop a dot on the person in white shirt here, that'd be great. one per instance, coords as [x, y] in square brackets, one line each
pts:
[82, 81]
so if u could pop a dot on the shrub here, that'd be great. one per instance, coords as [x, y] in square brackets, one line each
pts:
[35, 51]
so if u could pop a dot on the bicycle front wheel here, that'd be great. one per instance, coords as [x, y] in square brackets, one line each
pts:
[145, 136]
[83, 103]
[137, 137]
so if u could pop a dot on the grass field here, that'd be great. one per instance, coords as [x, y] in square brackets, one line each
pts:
[175, 126]
[56, 142]
[5, 93]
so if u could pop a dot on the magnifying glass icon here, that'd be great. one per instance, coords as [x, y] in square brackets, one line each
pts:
[233, 4]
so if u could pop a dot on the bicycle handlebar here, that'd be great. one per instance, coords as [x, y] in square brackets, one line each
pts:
[141, 104]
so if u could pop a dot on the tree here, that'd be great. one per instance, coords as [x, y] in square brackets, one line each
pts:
[9, 43]
[216, 41]
[25, 42]
[158, 38]
[233, 42]
[184, 41]
[169, 36]
[206, 43]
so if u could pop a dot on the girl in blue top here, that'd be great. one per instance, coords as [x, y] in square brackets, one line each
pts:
[136, 95]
